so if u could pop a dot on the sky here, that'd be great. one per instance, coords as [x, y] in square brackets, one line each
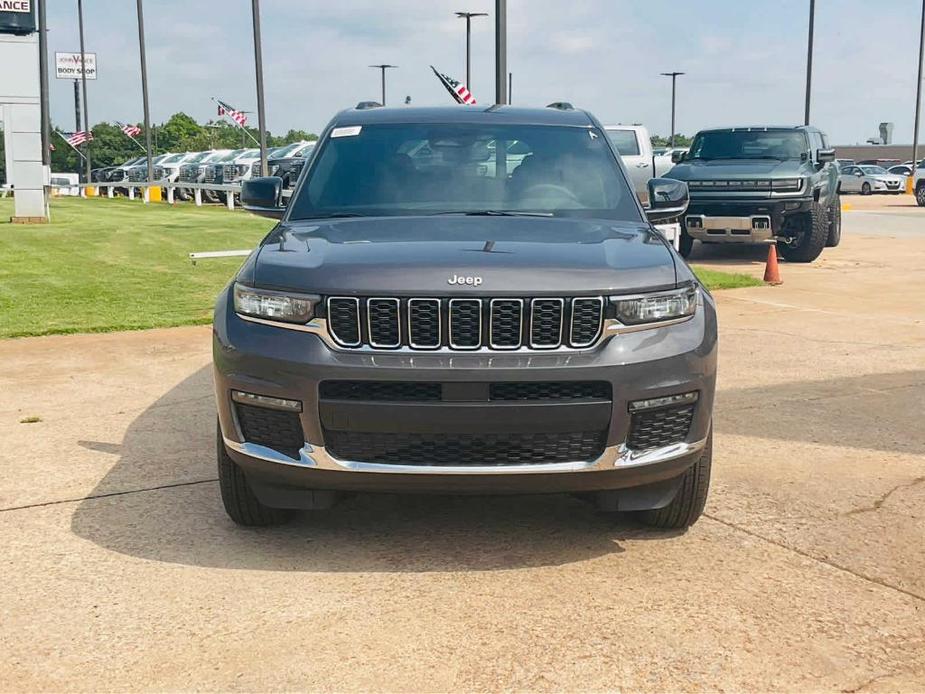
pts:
[745, 60]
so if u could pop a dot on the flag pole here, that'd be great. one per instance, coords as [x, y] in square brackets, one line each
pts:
[246, 131]
[79, 153]
[122, 125]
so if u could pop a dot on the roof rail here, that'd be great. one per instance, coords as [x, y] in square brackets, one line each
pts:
[367, 104]
[561, 105]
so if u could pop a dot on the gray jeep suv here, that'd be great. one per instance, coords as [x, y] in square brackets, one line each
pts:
[435, 315]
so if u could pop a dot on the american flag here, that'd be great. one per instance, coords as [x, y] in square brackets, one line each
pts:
[238, 117]
[457, 89]
[78, 138]
[131, 130]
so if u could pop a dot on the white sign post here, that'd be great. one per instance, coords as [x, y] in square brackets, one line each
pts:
[67, 66]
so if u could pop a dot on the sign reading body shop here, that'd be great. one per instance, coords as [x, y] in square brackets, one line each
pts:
[67, 65]
[16, 17]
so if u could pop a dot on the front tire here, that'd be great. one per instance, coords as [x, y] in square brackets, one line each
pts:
[811, 236]
[920, 195]
[687, 505]
[241, 505]
[834, 237]
[865, 189]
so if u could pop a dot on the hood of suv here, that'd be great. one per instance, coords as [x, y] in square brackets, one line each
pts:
[519, 256]
[707, 170]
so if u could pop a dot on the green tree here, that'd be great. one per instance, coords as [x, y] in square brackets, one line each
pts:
[679, 140]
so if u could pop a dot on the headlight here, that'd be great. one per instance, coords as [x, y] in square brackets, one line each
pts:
[279, 306]
[655, 308]
[787, 185]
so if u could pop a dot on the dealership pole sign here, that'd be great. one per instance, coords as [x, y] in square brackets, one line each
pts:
[67, 65]
[17, 17]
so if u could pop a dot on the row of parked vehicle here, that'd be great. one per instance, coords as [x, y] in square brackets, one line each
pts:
[212, 167]
[871, 176]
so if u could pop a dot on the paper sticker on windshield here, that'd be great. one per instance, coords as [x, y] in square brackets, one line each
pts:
[348, 131]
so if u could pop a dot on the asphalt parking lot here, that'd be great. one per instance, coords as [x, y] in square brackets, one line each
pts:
[121, 571]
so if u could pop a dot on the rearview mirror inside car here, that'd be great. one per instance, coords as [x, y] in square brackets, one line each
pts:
[263, 196]
[668, 199]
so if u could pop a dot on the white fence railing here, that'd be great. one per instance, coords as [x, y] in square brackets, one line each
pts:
[170, 189]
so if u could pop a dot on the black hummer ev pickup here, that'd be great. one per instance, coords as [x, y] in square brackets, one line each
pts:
[755, 184]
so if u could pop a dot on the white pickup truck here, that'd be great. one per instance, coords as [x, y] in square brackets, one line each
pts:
[635, 148]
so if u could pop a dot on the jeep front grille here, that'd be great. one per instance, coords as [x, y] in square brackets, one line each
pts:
[465, 323]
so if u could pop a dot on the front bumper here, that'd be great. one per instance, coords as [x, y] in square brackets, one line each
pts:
[276, 362]
[743, 220]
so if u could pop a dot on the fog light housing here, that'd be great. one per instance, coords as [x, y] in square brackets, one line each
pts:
[666, 401]
[266, 401]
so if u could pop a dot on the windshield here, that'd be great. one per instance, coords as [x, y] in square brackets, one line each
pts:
[231, 156]
[874, 170]
[419, 169]
[304, 150]
[285, 150]
[749, 144]
[198, 157]
[173, 159]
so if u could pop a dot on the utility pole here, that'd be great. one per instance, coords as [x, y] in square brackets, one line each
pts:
[76, 105]
[43, 84]
[468, 17]
[809, 59]
[83, 80]
[383, 67]
[674, 81]
[918, 94]
[144, 86]
[258, 65]
[500, 51]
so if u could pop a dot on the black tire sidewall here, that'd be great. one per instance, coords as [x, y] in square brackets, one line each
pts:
[815, 234]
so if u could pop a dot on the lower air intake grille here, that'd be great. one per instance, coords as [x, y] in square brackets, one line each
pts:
[465, 449]
[550, 390]
[657, 428]
[281, 431]
[401, 391]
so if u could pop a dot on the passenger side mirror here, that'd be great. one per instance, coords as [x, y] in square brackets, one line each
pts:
[263, 196]
[824, 156]
[677, 156]
[668, 199]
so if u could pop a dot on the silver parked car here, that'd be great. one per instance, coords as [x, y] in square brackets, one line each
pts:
[867, 178]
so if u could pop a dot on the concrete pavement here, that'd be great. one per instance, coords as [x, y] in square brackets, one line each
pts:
[121, 572]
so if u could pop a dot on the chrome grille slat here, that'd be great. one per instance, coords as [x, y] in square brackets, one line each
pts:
[383, 321]
[546, 323]
[466, 323]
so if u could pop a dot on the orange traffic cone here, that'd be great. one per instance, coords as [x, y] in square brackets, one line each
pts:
[772, 270]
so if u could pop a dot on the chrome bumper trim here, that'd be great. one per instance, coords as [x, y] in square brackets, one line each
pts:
[614, 458]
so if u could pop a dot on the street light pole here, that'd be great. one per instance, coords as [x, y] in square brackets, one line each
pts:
[468, 17]
[500, 52]
[674, 80]
[258, 64]
[83, 80]
[144, 86]
[809, 59]
[918, 94]
[383, 67]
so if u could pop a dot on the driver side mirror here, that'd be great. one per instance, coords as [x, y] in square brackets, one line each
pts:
[263, 196]
[824, 156]
[668, 199]
[859, 173]
[677, 156]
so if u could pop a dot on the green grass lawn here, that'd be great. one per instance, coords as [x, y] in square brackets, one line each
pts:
[105, 265]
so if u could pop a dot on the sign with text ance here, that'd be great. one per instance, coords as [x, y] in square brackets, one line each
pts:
[16, 17]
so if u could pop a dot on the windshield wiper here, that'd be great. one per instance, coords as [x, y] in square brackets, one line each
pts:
[335, 215]
[493, 213]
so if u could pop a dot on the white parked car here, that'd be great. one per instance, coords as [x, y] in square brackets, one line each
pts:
[868, 178]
